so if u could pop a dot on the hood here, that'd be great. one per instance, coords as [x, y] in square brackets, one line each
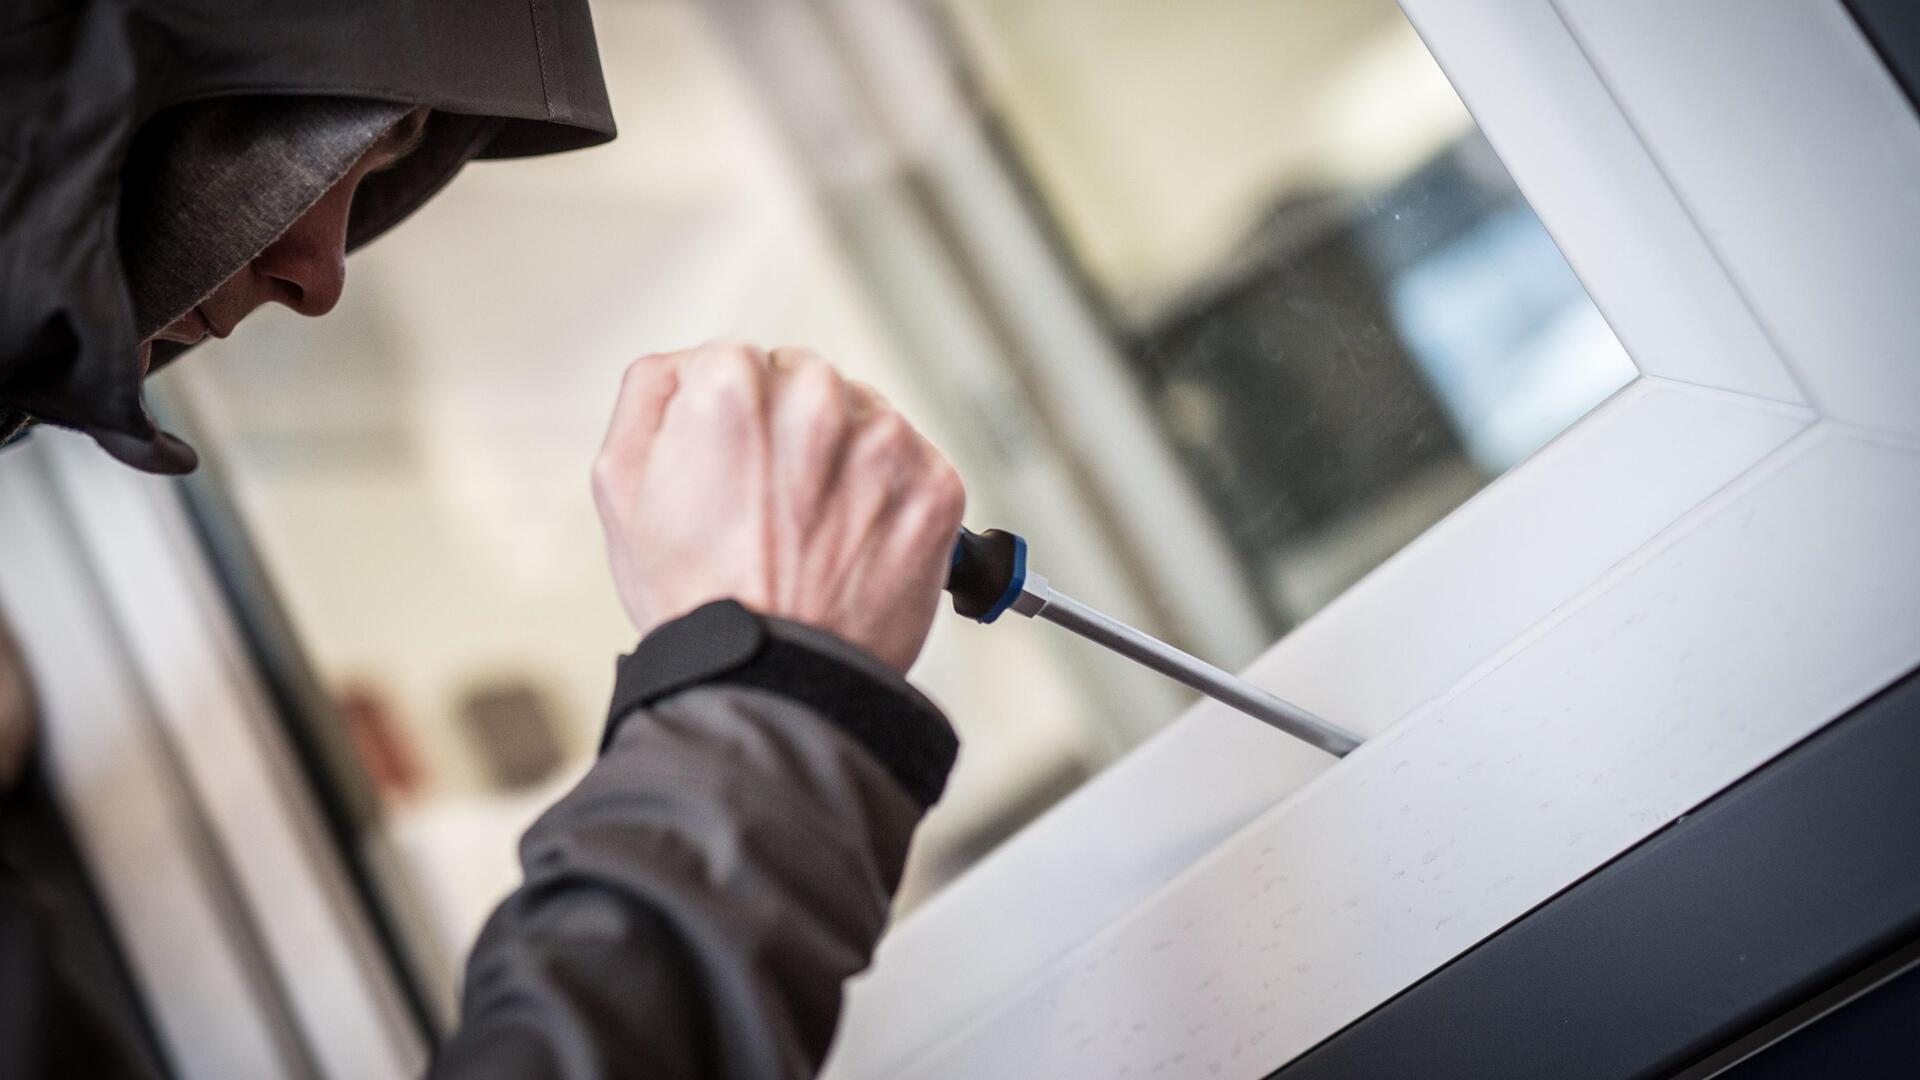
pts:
[79, 79]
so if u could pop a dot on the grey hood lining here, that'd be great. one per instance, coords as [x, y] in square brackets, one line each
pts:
[211, 184]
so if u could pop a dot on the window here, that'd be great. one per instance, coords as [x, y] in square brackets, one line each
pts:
[1340, 315]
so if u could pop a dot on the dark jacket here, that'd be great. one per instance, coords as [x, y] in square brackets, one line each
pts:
[692, 908]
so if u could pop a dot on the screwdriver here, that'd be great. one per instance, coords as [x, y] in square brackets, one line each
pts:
[990, 576]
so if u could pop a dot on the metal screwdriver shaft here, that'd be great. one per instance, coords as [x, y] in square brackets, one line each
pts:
[990, 577]
[1063, 610]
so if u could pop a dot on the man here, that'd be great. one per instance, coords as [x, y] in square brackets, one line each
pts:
[778, 535]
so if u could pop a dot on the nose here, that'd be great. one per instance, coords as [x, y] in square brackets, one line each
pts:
[306, 268]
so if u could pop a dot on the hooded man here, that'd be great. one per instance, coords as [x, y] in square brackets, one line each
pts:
[778, 535]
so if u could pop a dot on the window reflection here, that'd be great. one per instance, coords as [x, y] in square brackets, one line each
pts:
[1369, 361]
[1346, 315]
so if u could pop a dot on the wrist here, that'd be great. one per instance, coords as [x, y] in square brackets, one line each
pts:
[724, 643]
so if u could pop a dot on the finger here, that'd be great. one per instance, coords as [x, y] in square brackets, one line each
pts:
[640, 405]
[785, 358]
[812, 420]
[724, 383]
[812, 412]
[933, 498]
[724, 351]
[885, 453]
[867, 402]
[802, 368]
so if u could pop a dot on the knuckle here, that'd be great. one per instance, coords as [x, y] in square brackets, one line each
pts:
[939, 500]
[732, 364]
[815, 382]
[821, 421]
[605, 479]
[609, 468]
[933, 514]
[729, 380]
[914, 522]
[948, 492]
[794, 358]
[640, 370]
[866, 399]
[891, 432]
[736, 354]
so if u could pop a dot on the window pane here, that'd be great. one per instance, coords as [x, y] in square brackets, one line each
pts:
[1345, 314]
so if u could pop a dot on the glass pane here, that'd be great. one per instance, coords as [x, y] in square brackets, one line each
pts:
[1344, 312]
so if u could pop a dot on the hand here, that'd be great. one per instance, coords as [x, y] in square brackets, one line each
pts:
[771, 480]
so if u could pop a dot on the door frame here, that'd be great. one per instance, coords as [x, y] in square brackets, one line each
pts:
[1727, 219]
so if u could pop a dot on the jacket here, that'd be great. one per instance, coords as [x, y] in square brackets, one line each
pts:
[689, 911]
[692, 908]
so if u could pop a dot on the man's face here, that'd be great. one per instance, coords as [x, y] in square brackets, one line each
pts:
[306, 268]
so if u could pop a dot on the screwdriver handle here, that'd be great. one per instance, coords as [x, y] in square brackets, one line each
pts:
[987, 573]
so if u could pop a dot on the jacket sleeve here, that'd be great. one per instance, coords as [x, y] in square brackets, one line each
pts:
[691, 909]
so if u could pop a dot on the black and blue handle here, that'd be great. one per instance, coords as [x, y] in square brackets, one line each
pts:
[988, 571]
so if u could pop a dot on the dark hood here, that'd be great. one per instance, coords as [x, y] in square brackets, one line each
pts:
[79, 79]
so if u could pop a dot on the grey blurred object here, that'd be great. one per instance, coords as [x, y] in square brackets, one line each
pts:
[511, 725]
[18, 722]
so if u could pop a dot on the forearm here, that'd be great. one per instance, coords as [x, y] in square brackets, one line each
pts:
[693, 907]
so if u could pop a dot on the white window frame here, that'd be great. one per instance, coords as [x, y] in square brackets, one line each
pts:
[1701, 572]
[233, 904]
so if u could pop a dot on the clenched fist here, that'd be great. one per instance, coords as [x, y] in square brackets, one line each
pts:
[771, 480]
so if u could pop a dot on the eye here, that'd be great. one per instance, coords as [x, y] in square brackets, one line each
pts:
[403, 139]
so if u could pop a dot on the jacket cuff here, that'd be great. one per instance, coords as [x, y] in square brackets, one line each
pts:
[725, 644]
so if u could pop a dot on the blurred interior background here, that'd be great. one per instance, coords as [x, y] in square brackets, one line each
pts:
[1221, 303]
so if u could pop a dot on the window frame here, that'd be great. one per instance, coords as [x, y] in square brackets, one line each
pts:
[1698, 208]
